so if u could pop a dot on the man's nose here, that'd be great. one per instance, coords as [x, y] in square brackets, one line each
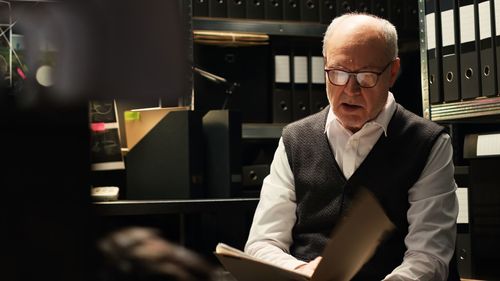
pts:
[352, 87]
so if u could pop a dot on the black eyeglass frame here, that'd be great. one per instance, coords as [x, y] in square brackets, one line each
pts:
[355, 74]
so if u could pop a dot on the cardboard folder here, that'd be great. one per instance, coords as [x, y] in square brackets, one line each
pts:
[355, 239]
[449, 51]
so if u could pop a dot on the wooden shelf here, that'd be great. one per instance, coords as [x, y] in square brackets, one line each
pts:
[262, 130]
[286, 28]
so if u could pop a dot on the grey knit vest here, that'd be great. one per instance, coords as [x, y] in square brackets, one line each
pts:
[393, 166]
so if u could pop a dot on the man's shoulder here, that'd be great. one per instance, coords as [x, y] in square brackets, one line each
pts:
[313, 122]
[412, 122]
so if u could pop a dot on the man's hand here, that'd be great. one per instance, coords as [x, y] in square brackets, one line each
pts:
[309, 267]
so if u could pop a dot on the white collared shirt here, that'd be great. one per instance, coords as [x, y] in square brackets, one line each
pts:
[433, 204]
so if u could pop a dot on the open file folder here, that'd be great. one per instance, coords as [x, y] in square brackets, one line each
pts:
[355, 238]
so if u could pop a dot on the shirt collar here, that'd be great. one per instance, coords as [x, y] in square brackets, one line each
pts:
[382, 120]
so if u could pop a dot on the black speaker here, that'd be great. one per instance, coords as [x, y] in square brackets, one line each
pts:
[222, 132]
[167, 163]
[253, 175]
[464, 255]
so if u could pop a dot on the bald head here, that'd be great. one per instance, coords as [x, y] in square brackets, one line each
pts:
[363, 29]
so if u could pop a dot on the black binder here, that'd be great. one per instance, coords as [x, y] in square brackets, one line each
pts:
[487, 61]
[363, 6]
[380, 8]
[345, 6]
[291, 10]
[317, 86]
[326, 11]
[450, 51]
[469, 56]
[282, 87]
[200, 8]
[411, 17]
[309, 10]
[432, 19]
[496, 42]
[217, 8]
[273, 9]
[300, 90]
[397, 13]
[236, 8]
[255, 9]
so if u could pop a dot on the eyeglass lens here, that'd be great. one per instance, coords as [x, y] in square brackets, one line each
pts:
[364, 79]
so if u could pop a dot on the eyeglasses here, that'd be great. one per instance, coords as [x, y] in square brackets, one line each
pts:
[365, 79]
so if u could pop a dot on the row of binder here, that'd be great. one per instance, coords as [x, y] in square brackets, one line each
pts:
[463, 47]
[403, 15]
[299, 84]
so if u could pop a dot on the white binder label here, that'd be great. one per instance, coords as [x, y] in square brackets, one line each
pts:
[430, 25]
[300, 70]
[463, 205]
[317, 70]
[484, 20]
[467, 33]
[488, 145]
[448, 28]
[282, 69]
[497, 17]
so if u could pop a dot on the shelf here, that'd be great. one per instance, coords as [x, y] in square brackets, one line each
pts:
[262, 130]
[306, 29]
[479, 107]
[155, 207]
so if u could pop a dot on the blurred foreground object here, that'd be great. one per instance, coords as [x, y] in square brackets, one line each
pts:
[104, 49]
[140, 254]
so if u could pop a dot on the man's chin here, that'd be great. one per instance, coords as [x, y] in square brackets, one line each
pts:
[351, 123]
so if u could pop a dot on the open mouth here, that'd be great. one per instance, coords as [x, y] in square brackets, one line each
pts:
[348, 106]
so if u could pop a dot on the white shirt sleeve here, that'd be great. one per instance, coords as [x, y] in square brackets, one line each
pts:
[432, 219]
[271, 232]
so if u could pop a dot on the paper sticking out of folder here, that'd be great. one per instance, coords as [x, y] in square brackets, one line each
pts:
[139, 122]
[352, 244]
[234, 39]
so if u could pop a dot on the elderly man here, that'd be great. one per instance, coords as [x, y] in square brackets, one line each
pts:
[364, 138]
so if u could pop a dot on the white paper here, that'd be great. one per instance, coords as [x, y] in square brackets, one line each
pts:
[318, 70]
[463, 205]
[484, 20]
[497, 17]
[467, 32]
[282, 69]
[448, 28]
[300, 69]
[488, 145]
[430, 25]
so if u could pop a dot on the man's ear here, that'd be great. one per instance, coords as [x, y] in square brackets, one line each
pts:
[395, 70]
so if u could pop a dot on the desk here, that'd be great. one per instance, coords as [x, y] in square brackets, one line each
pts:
[197, 223]
[150, 207]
